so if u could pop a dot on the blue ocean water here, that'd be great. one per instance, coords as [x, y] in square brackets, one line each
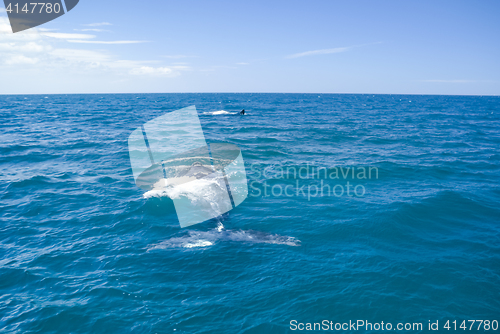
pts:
[83, 251]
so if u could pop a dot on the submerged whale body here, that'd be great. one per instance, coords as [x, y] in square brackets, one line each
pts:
[198, 171]
[202, 239]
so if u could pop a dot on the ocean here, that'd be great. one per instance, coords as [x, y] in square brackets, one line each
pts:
[372, 208]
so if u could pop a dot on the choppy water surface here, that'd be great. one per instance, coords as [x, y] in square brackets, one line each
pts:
[82, 249]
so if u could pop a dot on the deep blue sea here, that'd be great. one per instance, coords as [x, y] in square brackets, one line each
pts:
[82, 250]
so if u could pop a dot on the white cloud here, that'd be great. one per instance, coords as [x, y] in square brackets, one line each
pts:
[98, 24]
[34, 34]
[74, 55]
[104, 42]
[159, 71]
[181, 68]
[450, 81]
[46, 52]
[242, 63]
[179, 56]
[30, 47]
[93, 29]
[147, 70]
[66, 35]
[319, 52]
[20, 60]
[327, 51]
[224, 66]
[4, 26]
[69, 37]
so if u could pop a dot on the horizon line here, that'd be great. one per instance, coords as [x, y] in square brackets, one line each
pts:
[412, 94]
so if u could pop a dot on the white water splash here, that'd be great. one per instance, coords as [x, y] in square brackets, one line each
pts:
[220, 112]
[199, 243]
[208, 195]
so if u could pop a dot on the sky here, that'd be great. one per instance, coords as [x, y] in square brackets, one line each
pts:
[159, 46]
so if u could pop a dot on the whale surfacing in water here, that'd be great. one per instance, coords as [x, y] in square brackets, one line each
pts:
[169, 156]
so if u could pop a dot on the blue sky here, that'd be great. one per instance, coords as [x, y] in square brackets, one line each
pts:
[396, 47]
